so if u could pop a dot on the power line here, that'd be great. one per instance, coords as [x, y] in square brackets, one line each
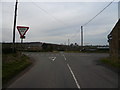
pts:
[93, 18]
[98, 13]
[49, 14]
[45, 11]
[65, 23]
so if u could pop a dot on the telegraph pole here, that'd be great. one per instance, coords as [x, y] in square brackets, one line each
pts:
[14, 26]
[82, 36]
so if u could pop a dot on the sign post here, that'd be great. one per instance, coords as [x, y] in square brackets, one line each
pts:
[22, 31]
[21, 40]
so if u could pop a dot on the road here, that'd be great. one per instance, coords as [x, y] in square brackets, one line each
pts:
[67, 70]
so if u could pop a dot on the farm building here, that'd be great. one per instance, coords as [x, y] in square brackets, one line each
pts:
[114, 42]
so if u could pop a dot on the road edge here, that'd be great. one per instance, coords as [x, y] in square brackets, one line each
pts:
[19, 74]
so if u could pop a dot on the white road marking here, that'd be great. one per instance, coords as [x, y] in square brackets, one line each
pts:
[64, 56]
[73, 76]
[52, 58]
[78, 86]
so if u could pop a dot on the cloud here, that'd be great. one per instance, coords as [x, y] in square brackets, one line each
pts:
[59, 21]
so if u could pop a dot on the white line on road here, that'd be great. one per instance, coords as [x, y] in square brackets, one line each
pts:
[73, 76]
[52, 58]
[64, 57]
[72, 73]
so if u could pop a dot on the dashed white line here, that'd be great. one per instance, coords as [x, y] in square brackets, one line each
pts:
[73, 76]
[64, 56]
[78, 86]
[52, 58]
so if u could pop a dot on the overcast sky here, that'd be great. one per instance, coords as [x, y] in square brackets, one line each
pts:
[55, 22]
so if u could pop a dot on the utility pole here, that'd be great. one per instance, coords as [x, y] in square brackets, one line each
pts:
[82, 36]
[80, 40]
[14, 26]
[68, 42]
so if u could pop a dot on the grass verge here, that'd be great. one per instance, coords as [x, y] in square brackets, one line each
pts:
[12, 65]
[98, 51]
[73, 51]
[111, 62]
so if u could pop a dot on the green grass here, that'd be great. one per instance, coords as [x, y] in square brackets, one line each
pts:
[97, 51]
[73, 51]
[12, 65]
[110, 62]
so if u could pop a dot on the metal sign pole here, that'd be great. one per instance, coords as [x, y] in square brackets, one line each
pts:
[21, 40]
[22, 44]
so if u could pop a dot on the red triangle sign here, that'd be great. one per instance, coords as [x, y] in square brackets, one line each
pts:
[22, 30]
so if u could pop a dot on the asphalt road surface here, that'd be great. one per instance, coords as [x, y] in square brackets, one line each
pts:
[67, 70]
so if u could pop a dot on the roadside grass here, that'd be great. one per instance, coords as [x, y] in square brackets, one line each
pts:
[73, 51]
[111, 62]
[55, 51]
[98, 51]
[12, 64]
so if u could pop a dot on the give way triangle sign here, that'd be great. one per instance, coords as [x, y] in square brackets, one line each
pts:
[22, 30]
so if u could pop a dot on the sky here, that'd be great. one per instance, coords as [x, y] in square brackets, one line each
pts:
[56, 22]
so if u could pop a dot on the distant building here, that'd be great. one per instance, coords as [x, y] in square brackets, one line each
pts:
[114, 41]
[32, 46]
